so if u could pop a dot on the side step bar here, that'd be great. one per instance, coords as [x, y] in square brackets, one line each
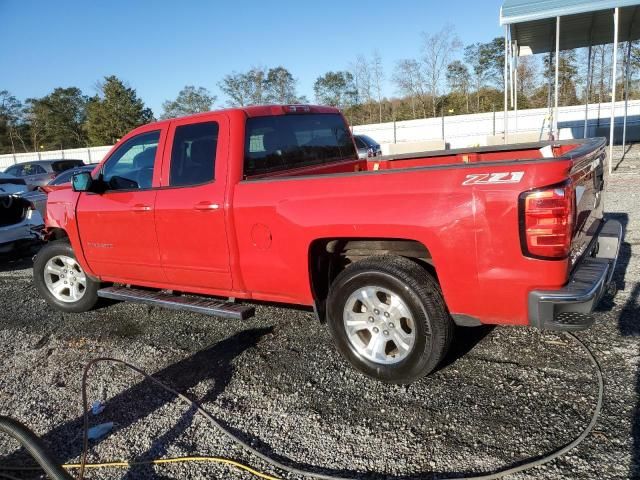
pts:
[204, 305]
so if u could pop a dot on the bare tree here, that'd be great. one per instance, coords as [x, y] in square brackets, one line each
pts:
[527, 75]
[411, 83]
[362, 79]
[377, 73]
[437, 50]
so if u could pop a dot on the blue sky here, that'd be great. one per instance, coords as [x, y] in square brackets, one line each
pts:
[160, 46]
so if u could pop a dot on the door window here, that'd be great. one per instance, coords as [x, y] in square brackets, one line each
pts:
[193, 156]
[32, 169]
[131, 165]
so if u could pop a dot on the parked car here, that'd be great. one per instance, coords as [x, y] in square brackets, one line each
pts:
[41, 172]
[63, 180]
[21, 213]
[272, 204]
[367, 146]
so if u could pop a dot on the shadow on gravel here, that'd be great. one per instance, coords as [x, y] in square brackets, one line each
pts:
[131, 406]
[10, 263]
[629, 326]
[629, 323]
[465, 340]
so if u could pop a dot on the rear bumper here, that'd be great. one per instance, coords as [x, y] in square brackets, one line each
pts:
[569, 308]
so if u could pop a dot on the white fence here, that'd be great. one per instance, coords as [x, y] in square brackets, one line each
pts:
[87, 155]
[457, 131]
[461, 131]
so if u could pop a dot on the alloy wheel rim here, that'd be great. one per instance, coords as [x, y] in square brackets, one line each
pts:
[65, 279]
[379, 325]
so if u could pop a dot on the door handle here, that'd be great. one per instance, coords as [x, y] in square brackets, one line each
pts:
[206, 206]
[141, 207]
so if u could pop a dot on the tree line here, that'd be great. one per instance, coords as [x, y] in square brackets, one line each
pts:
[446, 78]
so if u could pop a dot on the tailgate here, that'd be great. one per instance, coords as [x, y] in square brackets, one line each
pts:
[587, 175]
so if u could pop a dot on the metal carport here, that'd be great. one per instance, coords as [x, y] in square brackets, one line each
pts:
[544, 26]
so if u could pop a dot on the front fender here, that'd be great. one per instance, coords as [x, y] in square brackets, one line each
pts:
[61, 217]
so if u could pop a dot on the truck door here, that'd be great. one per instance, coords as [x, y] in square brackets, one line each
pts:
[117, 226]
[190, 213]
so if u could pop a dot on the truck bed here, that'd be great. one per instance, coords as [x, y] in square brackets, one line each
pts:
[557, 150]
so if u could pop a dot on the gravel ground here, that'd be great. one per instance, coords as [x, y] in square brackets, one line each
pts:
[503, 395]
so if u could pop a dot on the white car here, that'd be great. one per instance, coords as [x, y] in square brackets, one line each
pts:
[21, 213]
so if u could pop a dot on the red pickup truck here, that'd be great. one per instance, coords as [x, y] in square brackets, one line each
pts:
[271, 203]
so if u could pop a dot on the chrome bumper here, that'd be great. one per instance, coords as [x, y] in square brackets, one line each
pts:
[569, 308]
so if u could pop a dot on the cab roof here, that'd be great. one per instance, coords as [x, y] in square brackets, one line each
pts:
[262, 111]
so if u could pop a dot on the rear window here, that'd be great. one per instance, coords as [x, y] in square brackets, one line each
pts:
[66, 165]
[283, 142]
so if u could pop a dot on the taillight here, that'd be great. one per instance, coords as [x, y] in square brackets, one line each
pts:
[296, 108]
[546, 221]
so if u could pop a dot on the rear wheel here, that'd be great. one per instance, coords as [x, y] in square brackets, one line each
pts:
[61, 280]
[388, 318]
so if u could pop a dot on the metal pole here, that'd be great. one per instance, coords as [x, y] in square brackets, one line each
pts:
[626, 97]
[586, 103]
[515, 83]
[394, 131]
[494, 120]
[549, 107]
[506, 84]
[555, 105]
[442, 120]
[614, 69]
[511, 72]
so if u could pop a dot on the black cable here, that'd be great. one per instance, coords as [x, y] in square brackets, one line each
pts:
[296, 471]
[35, 447]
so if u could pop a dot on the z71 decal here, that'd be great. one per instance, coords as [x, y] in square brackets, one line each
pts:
[493, 178]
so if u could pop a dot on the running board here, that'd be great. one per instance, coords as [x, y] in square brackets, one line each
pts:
[204, 305]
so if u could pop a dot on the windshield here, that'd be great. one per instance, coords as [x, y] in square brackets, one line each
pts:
[63, 165]
[368, 140]
[282, 142]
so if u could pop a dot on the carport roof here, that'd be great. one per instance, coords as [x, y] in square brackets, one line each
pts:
[583, 23]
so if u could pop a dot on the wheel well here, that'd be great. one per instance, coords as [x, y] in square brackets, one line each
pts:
[55, 234]
[328, 257]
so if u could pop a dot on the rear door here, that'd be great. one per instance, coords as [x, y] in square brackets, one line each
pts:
[117, 227]
[35, 174]
[190, 213]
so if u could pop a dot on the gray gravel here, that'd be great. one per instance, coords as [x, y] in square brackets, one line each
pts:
[503, 395]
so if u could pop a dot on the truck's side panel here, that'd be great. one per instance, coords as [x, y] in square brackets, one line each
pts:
[470, 230]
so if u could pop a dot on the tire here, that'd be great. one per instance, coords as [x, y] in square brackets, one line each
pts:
[408, 330]
[78, 292]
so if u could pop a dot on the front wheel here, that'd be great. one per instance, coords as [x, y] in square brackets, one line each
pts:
[61, 281]
[388, 318]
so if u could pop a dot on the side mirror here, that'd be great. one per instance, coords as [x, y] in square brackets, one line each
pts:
[82, 182]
